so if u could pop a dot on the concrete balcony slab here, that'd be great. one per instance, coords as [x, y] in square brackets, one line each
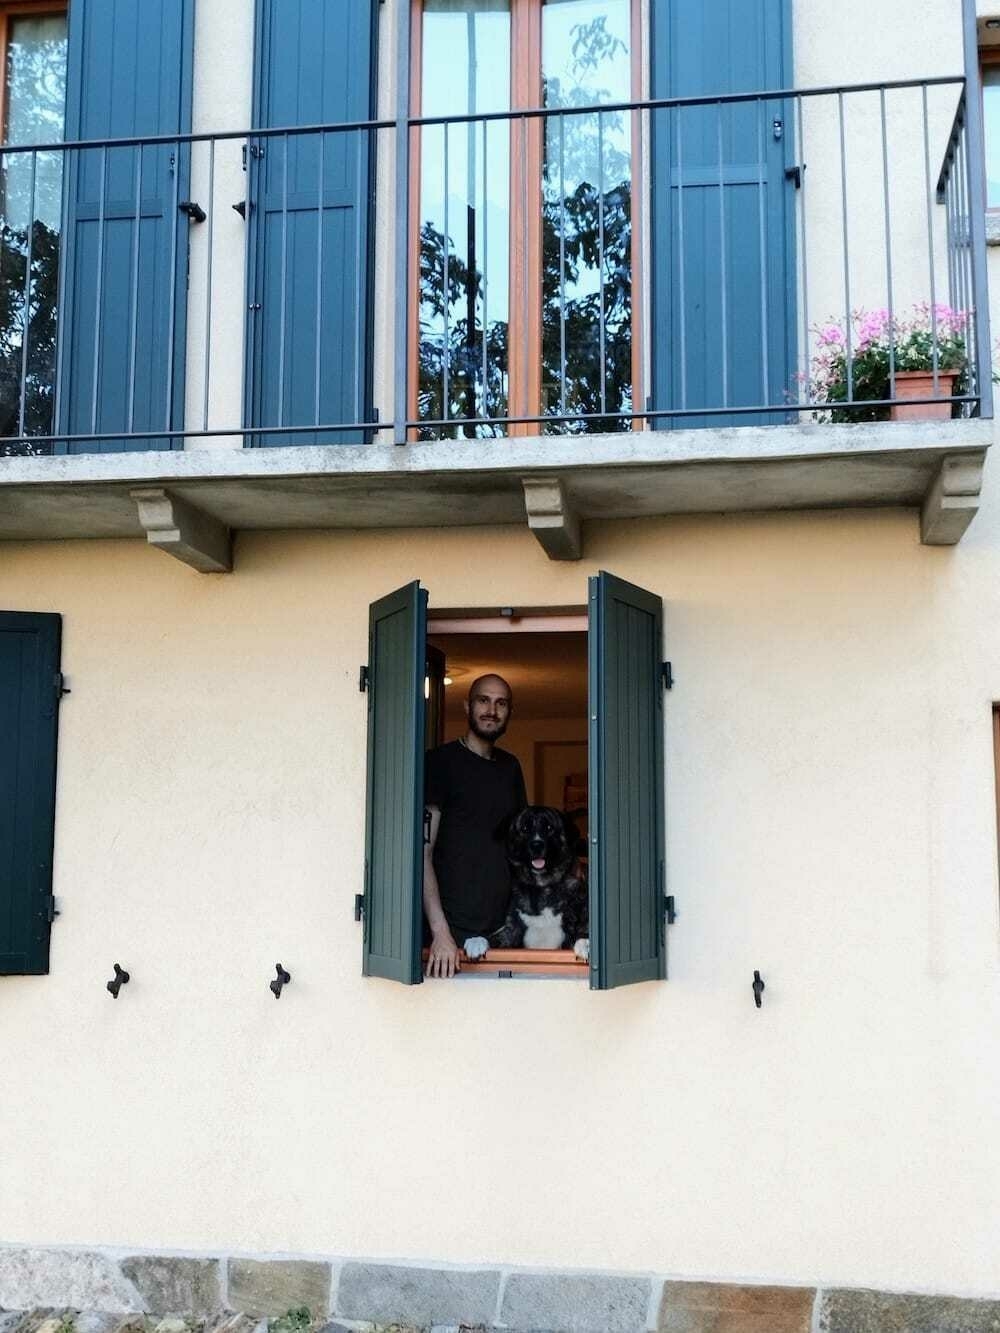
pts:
[470, 482]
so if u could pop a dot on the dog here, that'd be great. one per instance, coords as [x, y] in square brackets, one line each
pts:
[548, 905]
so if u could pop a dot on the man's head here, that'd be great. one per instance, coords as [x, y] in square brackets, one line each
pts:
[488, 707]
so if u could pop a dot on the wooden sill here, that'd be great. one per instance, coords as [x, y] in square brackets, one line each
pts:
[525, 963]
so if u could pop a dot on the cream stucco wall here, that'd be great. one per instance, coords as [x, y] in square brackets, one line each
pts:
[830, 820]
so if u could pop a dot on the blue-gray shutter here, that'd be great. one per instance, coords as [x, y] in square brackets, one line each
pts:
[29, 708]
[310, 256]
[626, 784]
[394, 849]
[723, 221]
[128, 75]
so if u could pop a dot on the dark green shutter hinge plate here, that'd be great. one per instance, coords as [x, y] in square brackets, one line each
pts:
[61, 686]
[51, 910]
[667, 672]
[359, 906]
[669, 910]
[364, 679]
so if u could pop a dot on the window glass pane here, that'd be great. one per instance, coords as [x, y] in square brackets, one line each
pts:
[991, 117]
[464, 214]
[587, 213]
[30, 209]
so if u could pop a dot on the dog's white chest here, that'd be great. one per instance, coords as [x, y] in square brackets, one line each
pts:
[544, 931]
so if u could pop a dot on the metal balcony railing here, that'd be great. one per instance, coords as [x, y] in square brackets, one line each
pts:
[758, 258]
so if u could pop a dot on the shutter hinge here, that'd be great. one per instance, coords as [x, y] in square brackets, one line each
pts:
[364, 679]
[51, 909]
[667, 672]
[61, 688]
[669, 911]
[359, 906]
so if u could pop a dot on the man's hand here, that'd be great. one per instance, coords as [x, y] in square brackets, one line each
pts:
[442, 960]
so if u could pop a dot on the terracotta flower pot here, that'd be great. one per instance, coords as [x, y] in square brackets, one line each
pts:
[917, 385]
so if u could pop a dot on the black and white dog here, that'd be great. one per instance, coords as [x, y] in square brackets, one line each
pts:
[548, 904]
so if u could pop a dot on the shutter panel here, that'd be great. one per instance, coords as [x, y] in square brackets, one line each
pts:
[29, 706]
[394, 848]
[129, 74]
[724, 327]
[626, 784]
[309, 269]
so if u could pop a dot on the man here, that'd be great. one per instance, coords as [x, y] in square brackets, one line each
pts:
[470, 790]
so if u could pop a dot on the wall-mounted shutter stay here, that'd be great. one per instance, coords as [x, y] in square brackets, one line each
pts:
[363, 679]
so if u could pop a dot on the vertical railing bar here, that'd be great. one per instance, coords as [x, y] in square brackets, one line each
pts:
[359, 262]
[600, 258]
[765, 329]
[963, 227]
[208, 282]
[848, 331]
[932, 278]
[968, 301]
[723, 294]
[29, 260]
[800, 106]
[284, 281]
[61, 284]
[562, 265]
[320, 190]
[99, 296]
[402, 143]
[172, 313]
[446, 299]
[888, 246]
[680, 252]
[977, 210]
[486, 269]
[133, 320]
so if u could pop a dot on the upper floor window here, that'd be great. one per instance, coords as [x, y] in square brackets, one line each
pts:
[33, 108]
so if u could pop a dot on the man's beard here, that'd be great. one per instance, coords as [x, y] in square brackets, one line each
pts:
[483, 735]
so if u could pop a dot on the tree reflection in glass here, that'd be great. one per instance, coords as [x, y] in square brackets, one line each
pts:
[30, 211]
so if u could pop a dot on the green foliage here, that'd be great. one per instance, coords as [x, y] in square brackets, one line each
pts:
[296, 1320]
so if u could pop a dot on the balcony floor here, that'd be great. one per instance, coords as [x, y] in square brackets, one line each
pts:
[453, 483]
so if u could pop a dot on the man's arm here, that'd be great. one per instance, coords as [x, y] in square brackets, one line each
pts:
[443, 960]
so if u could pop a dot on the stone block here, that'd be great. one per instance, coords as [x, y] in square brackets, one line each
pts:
[884, 1312]
[575, 1303]
[715, 1307]
[93, 1321]
[175, 1286]
[387, 1293]
[275, 1286]
[75, 1279]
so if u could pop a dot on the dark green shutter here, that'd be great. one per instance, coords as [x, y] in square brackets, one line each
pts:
[123, 318]
[626, 784]
[29, 706]
[723, 231]
[309, 264]
[394, 850]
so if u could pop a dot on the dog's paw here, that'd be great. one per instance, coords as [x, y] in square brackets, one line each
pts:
[582, 950]
[475, 947]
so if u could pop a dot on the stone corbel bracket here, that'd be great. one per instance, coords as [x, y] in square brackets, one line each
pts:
[552, 517]
[952, 499]
[184, 531]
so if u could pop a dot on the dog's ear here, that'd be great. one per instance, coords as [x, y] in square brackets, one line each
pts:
[502, 831]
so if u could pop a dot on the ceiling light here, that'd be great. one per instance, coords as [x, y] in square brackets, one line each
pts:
[447, 680]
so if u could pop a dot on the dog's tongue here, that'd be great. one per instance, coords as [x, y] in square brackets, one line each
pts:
[538, 863]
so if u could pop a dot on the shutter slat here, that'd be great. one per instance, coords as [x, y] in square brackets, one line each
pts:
[29, 663]
[626, 783]
[395, 789]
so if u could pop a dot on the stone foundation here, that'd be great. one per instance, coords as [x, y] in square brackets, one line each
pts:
[76, 1291]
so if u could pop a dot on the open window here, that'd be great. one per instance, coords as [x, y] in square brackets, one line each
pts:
[588, 729]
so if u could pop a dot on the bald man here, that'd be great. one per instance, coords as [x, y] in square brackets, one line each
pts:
[470, 791]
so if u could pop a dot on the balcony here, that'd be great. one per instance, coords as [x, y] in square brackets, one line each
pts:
[605, 310]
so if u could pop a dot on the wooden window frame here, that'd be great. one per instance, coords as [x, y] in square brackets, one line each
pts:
[524, 368]
[18, 9]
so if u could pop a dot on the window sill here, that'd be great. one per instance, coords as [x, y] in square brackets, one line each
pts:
[525, 963]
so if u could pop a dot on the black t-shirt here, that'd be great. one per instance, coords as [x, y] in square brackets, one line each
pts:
[475, 797]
